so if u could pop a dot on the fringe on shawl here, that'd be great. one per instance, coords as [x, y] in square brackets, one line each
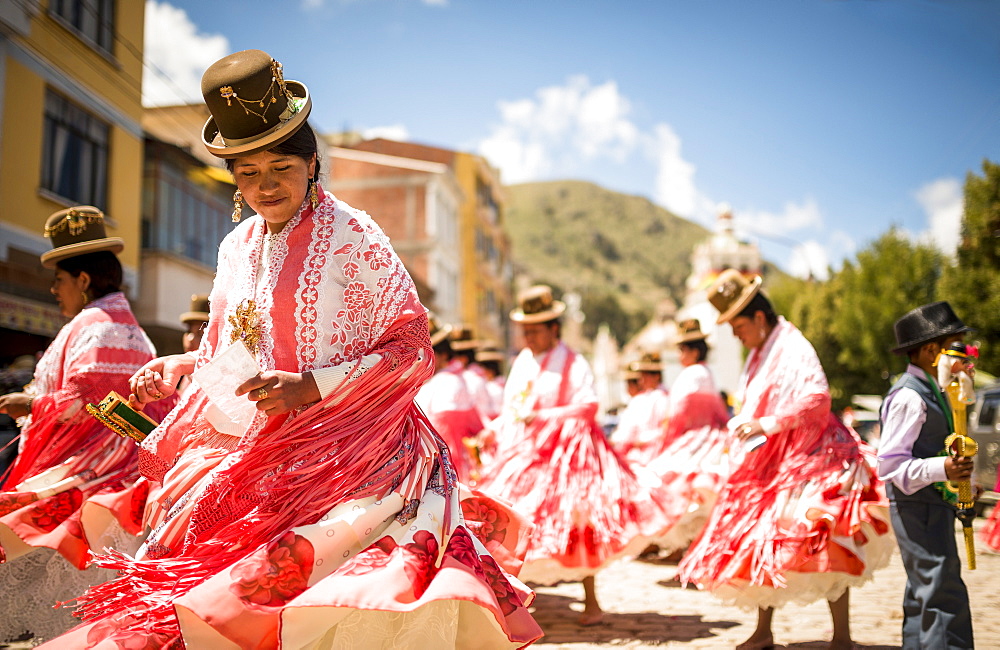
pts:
[589, 495]
[361, 440]
[731, 546]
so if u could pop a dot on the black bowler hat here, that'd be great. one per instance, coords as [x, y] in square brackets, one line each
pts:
[927, 323]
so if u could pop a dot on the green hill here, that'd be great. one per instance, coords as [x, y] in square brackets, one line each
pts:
[623, 254]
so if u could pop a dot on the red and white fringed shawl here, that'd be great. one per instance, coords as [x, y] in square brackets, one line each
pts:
[265, 530]
[804, 516]
[560, 471]
[96, 352]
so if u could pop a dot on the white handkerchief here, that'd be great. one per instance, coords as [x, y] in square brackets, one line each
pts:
[220, 378]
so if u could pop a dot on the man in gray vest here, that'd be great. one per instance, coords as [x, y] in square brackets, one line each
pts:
[916, 419]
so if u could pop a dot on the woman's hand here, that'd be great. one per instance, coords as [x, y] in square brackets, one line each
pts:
[16, 405]
[158, 379]
[277, 391]
[750, 429]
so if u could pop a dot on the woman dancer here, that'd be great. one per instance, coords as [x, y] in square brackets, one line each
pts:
[641, 425]
[446, 401]
[326, 514]
[691, 457]
[802, 515]
[71, 490]
[554, 464]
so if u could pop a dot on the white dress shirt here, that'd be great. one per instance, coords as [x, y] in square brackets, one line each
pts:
[904, 414]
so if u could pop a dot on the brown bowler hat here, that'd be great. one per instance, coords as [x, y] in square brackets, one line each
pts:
[198, 310]
[689, 331]
[77, 231]
[731, 292]
[461, 338]
[537, 306]
[648, 362]
[253, 107]
[439, 331]
[490, 354]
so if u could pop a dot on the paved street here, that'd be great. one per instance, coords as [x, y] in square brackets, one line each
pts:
[645, 609]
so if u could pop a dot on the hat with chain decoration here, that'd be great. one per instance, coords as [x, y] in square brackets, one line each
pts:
[537, 306]
[731, 293]
[647, 362]
[253, 107]
[77, 231]
[689, 331]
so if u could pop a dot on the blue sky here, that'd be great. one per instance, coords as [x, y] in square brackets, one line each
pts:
[821, 123]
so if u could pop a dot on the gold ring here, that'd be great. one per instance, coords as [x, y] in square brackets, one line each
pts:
[747, 428]
[262, 393]
[158, 395]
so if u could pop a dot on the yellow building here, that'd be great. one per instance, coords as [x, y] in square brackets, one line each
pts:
[70, 113]
[487, 282]
[480, 265]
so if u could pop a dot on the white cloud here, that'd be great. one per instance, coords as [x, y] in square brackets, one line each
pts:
[809, 258]
[817, 258]
[562, 128]
[942, 200]
[176, 56]
[436, 3]
[795, 216]
[397, 132]
[559, 126]
[675, 187]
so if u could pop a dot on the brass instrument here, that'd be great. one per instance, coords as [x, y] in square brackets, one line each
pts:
[960, 445]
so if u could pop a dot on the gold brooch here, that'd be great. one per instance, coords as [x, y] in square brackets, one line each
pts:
[246, 325]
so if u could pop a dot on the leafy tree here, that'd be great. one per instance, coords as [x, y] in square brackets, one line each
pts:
[849, 318]
[972, 283]
[889, 278]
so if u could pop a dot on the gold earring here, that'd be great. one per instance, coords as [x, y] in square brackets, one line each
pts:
[237, 206]
[313, 194]
[86, 298]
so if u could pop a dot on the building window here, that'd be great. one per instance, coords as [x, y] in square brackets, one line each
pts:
[94, 20]
[75, 155]
[184, 213]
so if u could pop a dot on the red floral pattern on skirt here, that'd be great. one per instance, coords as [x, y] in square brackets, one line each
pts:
[53, 511]
[277, 578]
[11, 501]
[486, 521]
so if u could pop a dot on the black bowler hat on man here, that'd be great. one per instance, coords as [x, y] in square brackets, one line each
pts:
[927, 323]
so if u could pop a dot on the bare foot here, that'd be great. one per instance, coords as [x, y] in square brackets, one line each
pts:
[757, 642]
[588, 618]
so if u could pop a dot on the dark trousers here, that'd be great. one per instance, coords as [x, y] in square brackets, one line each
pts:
[936, 611]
